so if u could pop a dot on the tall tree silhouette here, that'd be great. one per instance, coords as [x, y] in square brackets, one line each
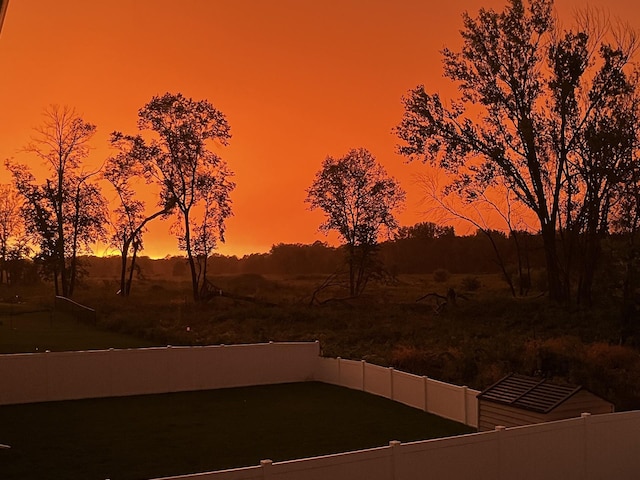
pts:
[358, 199]
[67, 213]
[13, 240]
[123, 171]
[529, 92]
[189, 173]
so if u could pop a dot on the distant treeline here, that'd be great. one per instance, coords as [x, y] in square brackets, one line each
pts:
[415, 250]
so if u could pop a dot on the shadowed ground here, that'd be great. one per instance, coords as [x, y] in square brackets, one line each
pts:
[32, 328]
[159, 435]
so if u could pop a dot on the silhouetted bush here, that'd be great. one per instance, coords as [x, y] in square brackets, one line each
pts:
[539, 280]
[441, 275]
[470, 284]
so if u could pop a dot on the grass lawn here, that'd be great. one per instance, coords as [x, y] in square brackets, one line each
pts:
[150, 436]
[32, 328]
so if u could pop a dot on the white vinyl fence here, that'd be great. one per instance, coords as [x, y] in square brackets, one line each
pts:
[40, 377]
[49, 376]
[442, 399]
[588, 448]
[592, 447]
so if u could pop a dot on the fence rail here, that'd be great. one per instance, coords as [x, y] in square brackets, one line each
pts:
[82, 313]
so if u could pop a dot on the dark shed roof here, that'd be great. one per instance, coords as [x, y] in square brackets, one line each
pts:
[529, 393]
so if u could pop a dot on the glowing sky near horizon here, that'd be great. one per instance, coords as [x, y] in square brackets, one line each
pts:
[298, 80]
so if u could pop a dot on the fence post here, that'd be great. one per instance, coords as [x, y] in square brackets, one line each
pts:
[339, 372]
[394, 444]
[499, 429]
[391, 383]
[364, 368]
[585, 442]
[464, 405]
[47, 356]
[266, 466]
[111, 374]
[426, 393]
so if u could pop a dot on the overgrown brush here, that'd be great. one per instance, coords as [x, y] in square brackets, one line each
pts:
[483, 337]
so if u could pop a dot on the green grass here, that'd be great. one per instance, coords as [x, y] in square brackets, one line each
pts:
[159, 435]
[32, 328]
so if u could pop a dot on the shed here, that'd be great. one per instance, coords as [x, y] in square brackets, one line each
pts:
[520, 400]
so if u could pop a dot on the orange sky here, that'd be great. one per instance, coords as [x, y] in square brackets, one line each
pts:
[298, 80]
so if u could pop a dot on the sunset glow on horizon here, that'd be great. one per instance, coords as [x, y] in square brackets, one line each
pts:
[297, 81]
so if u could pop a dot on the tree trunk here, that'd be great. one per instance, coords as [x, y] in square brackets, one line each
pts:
[588, 269]
[59, 198]
[3, 264]
[123, 269]
[62, 267]
[72, 277]
[131, 270]
[500, 261]
[192, 264]
[55, 281]
[557, 291]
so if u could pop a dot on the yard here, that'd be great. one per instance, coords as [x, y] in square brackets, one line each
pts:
[31, 327]
[151, 436]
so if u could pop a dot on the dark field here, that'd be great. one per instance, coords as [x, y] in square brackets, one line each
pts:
[150, 436]
[484, 336]
[24, 328]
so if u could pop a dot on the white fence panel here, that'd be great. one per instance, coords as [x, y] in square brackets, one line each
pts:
[48, 376]
[372, 464]
[247, 473]
[327, 370]
[446, 400]
[471, 401]
[191, 368]
[553, 451]
[408, 389]
[613, 445]
[378, 380]
[456, 458]
[23, 378]
[137, 372]
[350, 374]
[71, 375]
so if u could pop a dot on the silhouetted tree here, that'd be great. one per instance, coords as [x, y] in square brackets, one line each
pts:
[424, 231]
[14, 244]
[67, 213]
[358, 199]
[186, 170]
[529, 94]
[625, 223]
[607, 168]
[122, 171]
[208, 228]
[495, 207]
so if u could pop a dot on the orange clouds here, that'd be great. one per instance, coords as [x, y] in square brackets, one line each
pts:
[297, 80]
